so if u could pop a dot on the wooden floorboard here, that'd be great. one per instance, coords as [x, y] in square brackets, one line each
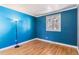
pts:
[37, 47]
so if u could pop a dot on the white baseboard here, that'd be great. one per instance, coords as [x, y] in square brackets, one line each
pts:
[15, 45]
[52, 42]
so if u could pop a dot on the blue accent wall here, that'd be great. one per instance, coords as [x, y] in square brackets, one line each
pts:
[68, 34]
[25, 27]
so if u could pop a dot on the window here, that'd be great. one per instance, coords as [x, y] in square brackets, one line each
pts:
[53, 22]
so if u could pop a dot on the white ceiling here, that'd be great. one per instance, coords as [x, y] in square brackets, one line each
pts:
[37, 9]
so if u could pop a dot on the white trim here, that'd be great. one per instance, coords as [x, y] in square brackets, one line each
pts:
[49, 23]
[57, 11]
[52, 42]
[18, 44]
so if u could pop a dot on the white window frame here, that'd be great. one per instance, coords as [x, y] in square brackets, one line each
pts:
[51, 22]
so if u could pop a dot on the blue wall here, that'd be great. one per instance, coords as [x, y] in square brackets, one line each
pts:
[30, 27]
[68, 34]
[8, 27]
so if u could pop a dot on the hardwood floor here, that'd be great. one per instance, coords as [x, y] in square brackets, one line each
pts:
[40, 48]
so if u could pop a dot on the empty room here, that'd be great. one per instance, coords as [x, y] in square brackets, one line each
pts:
[39, 29]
